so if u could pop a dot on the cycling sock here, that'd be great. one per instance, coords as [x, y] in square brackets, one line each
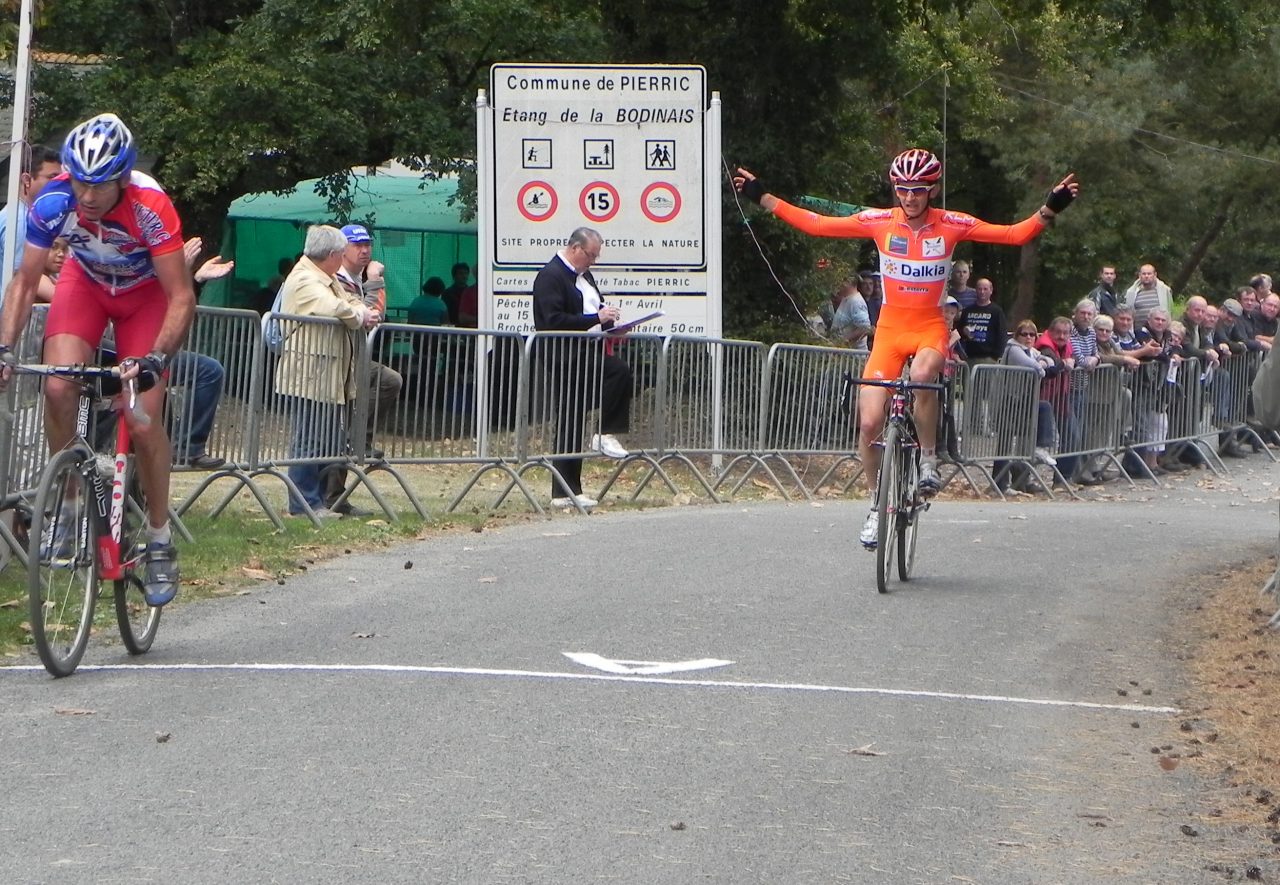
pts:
[161, 535]
[928, 454]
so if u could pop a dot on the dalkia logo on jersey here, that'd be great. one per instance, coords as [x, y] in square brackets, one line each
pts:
[900, 269]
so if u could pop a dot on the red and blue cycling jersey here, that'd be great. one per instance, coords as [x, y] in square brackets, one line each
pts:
[115, 252]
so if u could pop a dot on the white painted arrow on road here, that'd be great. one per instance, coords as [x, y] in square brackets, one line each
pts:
[641, 668]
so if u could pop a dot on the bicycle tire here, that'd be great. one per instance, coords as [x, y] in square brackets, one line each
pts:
[62, 590]
[138, 621]
[909, 514]
[887, 496]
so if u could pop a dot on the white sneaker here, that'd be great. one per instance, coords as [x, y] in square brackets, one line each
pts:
[870, 536]
[607, 444]
[1043, 457]
[568, 503]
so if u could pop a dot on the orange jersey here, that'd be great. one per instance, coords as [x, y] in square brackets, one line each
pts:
[915, 264]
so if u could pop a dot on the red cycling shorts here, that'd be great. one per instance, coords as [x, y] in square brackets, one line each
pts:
[901, 333]
[82, 308]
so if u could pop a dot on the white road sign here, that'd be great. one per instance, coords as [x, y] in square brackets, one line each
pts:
[619, 149]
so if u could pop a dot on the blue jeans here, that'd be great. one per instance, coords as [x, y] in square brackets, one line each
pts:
[202, 377]
[317, 431]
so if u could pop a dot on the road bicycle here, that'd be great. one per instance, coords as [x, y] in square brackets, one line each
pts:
[898, 500]
[87, 528]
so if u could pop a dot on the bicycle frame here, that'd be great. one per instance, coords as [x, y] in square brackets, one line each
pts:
[108, 510]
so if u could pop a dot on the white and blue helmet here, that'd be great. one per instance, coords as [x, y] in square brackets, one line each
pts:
[99, 150]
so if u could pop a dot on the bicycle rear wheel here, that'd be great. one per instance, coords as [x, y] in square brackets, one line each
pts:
[62, 574]
[138, 621]
[909, 514]
[887, 500]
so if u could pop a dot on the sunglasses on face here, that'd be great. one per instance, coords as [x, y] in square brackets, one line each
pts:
[905, 190]
[1026, 334]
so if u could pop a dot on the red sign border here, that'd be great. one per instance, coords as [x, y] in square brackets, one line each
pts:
[555, 201]
[582, 204]
[644, 202]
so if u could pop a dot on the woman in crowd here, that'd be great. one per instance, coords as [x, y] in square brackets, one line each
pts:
[1021, 351]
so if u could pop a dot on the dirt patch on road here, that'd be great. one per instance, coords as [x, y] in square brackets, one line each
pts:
[1232, 725]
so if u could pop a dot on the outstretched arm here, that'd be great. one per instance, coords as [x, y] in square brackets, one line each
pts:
[812, 223]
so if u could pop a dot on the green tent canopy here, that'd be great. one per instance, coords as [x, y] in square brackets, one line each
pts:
[417, 234]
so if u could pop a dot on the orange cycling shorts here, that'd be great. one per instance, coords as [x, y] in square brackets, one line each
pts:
[901, 333]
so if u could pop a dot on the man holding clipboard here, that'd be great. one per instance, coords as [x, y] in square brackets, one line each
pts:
[567, 299]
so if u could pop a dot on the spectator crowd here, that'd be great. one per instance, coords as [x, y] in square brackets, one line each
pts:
[1138, 330]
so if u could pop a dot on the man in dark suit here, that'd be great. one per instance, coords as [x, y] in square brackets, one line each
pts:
[580, 373]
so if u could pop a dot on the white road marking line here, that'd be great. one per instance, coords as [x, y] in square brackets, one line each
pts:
[641, 668]
[604, 677]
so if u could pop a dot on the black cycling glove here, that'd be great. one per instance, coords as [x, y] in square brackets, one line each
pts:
[150, 368]
[753, 190]
[1059, 199]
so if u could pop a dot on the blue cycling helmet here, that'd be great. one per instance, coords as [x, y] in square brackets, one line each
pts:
[99, 150]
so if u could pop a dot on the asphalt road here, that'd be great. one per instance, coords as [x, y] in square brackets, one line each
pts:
[368, 721]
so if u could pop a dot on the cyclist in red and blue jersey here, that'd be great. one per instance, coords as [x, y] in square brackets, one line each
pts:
[128, 268]
[915, 242]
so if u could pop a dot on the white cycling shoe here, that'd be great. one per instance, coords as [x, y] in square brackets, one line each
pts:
[870, 536]
[930, 483]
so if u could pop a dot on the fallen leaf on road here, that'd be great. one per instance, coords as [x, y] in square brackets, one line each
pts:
[257, 574]
[865, 750]
[73, 711]
[162, 737]
[488, 580]
[363, 635]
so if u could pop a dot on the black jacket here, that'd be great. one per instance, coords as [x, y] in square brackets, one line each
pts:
[557, 303]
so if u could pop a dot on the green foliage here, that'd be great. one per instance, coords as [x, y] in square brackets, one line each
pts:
[1169, 112]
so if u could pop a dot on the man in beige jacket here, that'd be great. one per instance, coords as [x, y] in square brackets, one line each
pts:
[317, 366]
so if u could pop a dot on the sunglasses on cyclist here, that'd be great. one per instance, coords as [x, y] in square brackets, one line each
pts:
[904, 190]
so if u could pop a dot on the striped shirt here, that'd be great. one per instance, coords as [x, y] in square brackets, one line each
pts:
[1084, 344]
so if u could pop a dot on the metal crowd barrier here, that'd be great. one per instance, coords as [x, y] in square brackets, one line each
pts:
[997, 423]
[810, 405]
[215, 391]
[23, 451]
[725, 410]
[714, 403]
[437, 417]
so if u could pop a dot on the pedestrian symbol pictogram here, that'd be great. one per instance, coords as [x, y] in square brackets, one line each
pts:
[537, 201]
[659, 154]
[599, 201]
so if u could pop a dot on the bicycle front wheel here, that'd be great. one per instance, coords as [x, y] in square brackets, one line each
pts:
[909, 514]
[138, 621]
[62, 574]
[888, 495]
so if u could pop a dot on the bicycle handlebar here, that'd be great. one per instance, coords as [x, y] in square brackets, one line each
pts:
[84, 372]
[899, 384]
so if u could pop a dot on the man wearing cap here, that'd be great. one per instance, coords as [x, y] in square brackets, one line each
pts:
[1233, 329]
[362, 279]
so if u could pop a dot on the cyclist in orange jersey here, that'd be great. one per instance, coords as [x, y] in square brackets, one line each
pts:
[915, 242]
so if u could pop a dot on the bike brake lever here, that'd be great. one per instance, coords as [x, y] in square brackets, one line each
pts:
[135, 408]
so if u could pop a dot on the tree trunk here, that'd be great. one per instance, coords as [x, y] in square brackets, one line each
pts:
[1025, 289]
[1216, 224]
